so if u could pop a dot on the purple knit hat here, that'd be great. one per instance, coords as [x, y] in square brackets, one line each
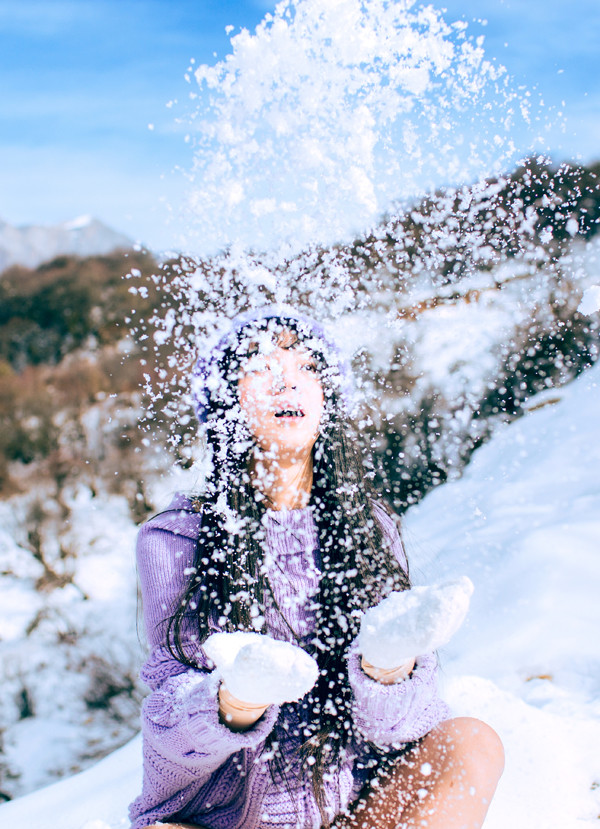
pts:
[204, 378]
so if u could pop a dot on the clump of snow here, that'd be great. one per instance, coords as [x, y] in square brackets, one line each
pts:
[222, 648]
[412, 622]
[590, 301]
[259, 669]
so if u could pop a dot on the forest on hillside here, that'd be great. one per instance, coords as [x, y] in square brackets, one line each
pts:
[78, 333]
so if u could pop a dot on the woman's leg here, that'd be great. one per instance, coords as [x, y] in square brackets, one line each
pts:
[446, 782]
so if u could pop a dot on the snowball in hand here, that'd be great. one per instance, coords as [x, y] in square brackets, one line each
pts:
[413, 622]
[222, 648]
[259, 669]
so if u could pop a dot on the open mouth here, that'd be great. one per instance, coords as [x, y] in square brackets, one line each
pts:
[285, 413]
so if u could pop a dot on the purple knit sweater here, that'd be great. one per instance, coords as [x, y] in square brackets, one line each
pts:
[198, 771]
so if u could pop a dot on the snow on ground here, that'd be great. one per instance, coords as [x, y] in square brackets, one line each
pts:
[94, 799]
[70, 654]
[524, 523]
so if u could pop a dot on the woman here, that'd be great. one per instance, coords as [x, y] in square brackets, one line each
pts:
[271, 576]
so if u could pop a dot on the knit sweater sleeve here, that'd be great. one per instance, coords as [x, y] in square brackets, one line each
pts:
[184, 741]
[391, 715]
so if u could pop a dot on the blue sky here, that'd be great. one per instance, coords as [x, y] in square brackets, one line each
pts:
[81, 80]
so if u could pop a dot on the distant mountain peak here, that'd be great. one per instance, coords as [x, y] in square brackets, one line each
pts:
[33, 244]
[80, 222]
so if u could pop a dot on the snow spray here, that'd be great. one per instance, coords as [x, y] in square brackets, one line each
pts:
[331, 150]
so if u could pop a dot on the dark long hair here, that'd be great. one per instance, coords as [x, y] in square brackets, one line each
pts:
[229, 583]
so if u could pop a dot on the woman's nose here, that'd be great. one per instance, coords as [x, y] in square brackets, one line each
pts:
[283, 377]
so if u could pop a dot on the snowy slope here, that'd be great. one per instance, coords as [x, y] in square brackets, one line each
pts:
[524, 523]
[33, 244]
[95, 799]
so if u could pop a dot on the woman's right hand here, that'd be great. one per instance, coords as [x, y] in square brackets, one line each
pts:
[259, 670]
[413, 622]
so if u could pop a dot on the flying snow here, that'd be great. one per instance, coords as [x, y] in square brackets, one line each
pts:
[316, 123]
[323, 127]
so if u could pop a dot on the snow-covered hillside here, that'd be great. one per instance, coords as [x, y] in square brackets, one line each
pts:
[33, 244]
[524, 523]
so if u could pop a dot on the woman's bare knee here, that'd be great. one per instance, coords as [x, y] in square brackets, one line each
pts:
[464, 754]
[477, 745]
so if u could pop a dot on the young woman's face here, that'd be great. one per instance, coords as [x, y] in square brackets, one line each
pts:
[281, 395]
